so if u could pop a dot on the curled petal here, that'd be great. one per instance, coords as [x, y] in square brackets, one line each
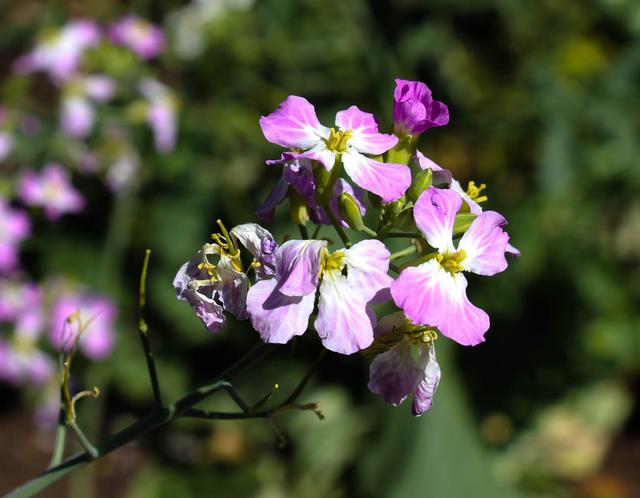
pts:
[368, 264]
[430, 295]
[319, 153]
[343, 323]
[276, 316]
[388, 180]
[294, 124]
[435, 213]
[514, 251]
[261, 244]
[426, 388]
[267, 209]
[394, 374]
[298, 266]
[234, 288]
[474, 207]
[366, 138]
[441, 176]
[484, 244]
[414, 110]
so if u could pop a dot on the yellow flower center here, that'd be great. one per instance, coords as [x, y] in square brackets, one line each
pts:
[473, 191]
[337, 140]
[452, 262]
[333, 261]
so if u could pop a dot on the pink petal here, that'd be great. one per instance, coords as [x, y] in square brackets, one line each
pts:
[441, 176]
[365, 137]
[474, 207]
[429, 295]
[298, 266]
[426, 388]
[368, 264]
[394, 374]
[388, 180]
[435, 213]
[484, 244]
[513, 251]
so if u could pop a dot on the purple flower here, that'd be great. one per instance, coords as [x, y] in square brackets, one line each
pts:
[21, 363]
[161, 114]
[280, 307]
[397, 372]
[14, 228]
[21, 305]
[90, 315]
[434, 293]
[295, 125]
[146, 40]
[77, 113]
[52, 190]
[414, 110]
[122, 171]
[59, 53]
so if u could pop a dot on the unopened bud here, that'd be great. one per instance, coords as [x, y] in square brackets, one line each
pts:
[298, 208]
[462, 223]
[421, 182]
[350, 211]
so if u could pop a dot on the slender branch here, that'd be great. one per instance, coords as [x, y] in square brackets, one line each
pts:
[61, 437]
[316, 231]
[86, 444]
[304, 233]
[409, 235]
[407, 251]
[143, 332]
[336, 224]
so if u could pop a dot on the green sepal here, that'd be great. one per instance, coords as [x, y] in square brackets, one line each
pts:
[350, 211]
[462, 223]
[298, 208]
[422, 180]
[404, 220]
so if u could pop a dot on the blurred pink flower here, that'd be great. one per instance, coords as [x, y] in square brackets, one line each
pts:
[14, 227]
[161, 114]
[52, 190]
[145, 39]
[77, 111]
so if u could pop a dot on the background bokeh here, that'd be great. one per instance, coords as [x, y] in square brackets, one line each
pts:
[543, 98]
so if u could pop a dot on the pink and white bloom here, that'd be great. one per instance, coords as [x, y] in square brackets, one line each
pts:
[398, 372]
[91, 315]
[14, 228]
[52, 190]
[22, 363]
[295, 125]
[77, 115]
[161, 114]
[434, 293]
[145, 39]
[280, 307]
[59, 53]
[414, 110]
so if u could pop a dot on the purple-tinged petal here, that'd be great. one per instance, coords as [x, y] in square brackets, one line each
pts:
[145, 39]
[414, 110]
[320, 153]
[100, 87]
[299, 174]
[261, 244]
[426, 389]
[513, 251]
[342, 186]
[294, 125]
[267, 209]
[298, 266]
[430, 295]
[365, 138]
[441, 176]
[77, 117]
[484, 244]
[388, 180]
[276, 316]
[343, 324]
[367, 267]
[474, 207]
[394, 374]
[435, 213]
[234, 288]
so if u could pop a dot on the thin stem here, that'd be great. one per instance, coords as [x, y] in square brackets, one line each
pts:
[61, 437]
[304, 233]
[336, 224]
[410, 235]
[316, 231]
[407, 251]
[86, 444]
[369, 231]
[395, 268]
[143, 332]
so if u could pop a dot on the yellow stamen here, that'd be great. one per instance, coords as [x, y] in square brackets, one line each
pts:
[452, 262]
[333, 261]
[337, 140]
[473, 191]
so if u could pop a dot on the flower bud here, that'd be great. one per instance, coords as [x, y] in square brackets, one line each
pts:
[422, 180]
[298, 208]
[350, 211]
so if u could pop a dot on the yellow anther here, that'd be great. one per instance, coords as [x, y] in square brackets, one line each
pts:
[452, 262]
[422, 335]
[473, 191]
[337, 140]
[333, 261]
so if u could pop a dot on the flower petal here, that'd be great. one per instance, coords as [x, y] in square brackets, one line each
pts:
[234, 288]
[388, 180]
[435, 213]
[261, 244]
[266, 210]
[298, 266]
[394, 374]
[430, 295]
[426, 389]
[484, 244]
[474, 207]
[364, 126]
[441, 176]
[294, 124]
[276, 316]
[319, 153]
[343, 323]
[513, 251]
[367, 267]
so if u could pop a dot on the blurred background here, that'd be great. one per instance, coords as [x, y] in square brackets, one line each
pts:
[119, 134]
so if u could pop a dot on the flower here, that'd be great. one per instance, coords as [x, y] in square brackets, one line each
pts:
[77, 112]
[14, 228]
[441, 176]
[7, 143]
[160, 114]
[295, 125]
[60, 52]
[434, 293]
[21, 363]
[90, 315]
[145, 39]
[414, 110]
[52, 190]
[210, 288]
[280, 307]
[396, 373]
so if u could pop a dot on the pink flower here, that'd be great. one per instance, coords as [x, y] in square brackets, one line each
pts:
[7, 143]
[14, 228]
[161, 114]
[52, 190]
[295, 125]
[146, 40]
[21, 363]
[414, 110]
[434, 293]
[77, 112]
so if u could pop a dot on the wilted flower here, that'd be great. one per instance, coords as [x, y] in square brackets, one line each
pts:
[434, 293]
[280, 307]
[295, 125]
[14, 228]
[60, 52]
[145, 39]
[77, 113]
[161, 114]
[52, 190]
[414, 110]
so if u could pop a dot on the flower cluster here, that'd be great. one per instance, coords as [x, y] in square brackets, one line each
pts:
[325, 172]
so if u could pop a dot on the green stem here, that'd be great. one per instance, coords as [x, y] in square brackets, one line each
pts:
[316, 231]
[396, 235]
[86, 444]
[407, 251]
[336, 224]
[61, 437]
[368, 231]
[304, 233]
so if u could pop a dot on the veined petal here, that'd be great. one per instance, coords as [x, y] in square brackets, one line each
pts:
[365, 136]
[435, 213]
[430, 295]
[298, 266]
[367, 267]
[388, 180]
[320, 153]
[261, 244]
[276, 316]
[294, 124]
[484, 244]
[299, 174]
[426, 388]
[267, 209]
[394, 374]
[343, 323]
